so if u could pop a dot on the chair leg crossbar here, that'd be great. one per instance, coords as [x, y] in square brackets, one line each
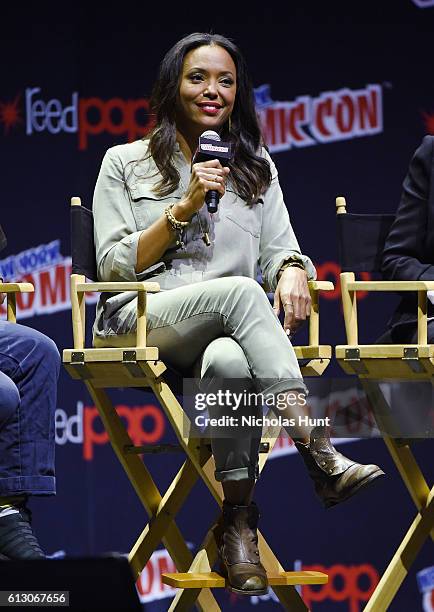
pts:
[195, 577]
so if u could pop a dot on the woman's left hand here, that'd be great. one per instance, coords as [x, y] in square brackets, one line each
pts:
[292, 293]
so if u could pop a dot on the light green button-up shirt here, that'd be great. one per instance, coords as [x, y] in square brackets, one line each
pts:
[242, 237]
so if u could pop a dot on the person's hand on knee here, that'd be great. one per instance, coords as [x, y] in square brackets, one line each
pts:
[292, 293]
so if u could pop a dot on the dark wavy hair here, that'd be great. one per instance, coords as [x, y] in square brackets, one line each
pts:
[250, 173]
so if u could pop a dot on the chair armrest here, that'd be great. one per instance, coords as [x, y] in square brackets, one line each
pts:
[315, 285]
[11, 289]
[16, 288]
[118, 286]
[79, 289]
[391, 286]
[349, 288]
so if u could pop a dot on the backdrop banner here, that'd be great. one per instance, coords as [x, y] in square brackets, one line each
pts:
[344, 101]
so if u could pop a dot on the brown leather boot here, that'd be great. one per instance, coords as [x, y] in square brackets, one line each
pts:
[336, 477]
[238, 549]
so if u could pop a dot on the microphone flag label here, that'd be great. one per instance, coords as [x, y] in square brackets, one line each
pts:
[212, 149]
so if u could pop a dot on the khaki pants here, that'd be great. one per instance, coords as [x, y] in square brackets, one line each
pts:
[219, 329]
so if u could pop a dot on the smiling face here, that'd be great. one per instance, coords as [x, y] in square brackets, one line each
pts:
[207, 91]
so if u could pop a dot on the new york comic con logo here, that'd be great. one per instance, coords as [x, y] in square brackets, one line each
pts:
[306, 121]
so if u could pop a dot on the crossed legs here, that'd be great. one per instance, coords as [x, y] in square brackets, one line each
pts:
[221, 329]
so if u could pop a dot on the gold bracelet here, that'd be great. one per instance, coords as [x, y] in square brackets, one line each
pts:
[177, 225]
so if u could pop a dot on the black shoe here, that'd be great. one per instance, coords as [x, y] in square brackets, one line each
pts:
[17, 540]
[336, 478]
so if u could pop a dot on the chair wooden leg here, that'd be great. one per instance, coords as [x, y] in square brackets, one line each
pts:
[290, 599]
[186, 598]
[315, 367]
[410, 473]
[270, 436]
[170, 505]
[138, 475]
[180, 425]
[204, 560]
[209, 544]
[402, 456]
[288, 595]
[402, 560]
[162, 510]
[380, 408]
[423, 525]
[145, 488]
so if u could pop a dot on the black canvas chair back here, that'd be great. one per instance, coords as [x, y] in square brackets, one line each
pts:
[361, 240]
[82, 242]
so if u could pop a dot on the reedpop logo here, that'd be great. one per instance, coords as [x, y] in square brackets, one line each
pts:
[82, 116]
[145, 425]
[350, 584]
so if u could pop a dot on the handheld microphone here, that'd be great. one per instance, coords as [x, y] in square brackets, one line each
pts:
[212, 147]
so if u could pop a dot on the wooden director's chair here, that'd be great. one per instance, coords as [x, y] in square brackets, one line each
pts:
[139, 366]
[361, 242]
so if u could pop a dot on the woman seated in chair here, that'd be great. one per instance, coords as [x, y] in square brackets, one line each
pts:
[211, 317]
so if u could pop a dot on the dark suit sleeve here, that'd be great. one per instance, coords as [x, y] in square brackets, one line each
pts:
[403, 257]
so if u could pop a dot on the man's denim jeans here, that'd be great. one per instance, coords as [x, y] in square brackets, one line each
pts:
[29, 369]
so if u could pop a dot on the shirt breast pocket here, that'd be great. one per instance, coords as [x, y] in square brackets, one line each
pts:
[149, 206]
[245, 217]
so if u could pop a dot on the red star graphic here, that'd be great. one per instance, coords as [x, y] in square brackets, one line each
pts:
[10, 113]
[429, 122]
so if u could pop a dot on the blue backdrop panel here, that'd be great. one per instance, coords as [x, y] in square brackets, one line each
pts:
[344, 99]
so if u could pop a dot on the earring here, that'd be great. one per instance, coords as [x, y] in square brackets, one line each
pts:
[229, 124]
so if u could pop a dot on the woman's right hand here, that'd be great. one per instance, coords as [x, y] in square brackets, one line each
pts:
[205, 176]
